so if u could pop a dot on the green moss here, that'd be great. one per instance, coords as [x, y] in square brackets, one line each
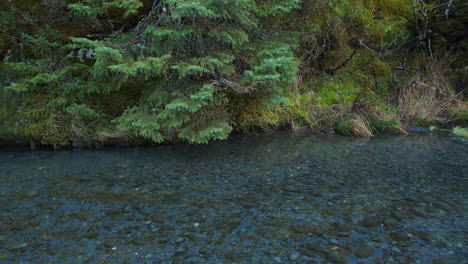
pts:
[48, 133]
[336, 91]
[461, 131]
[459, 117]
[249, 113]
[440, 130]
[385, 125]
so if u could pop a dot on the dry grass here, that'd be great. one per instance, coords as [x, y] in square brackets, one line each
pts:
[428, 96]
[353, 125]
[361, 128]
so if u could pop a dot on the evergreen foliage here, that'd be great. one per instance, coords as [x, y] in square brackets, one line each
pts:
[196, 70]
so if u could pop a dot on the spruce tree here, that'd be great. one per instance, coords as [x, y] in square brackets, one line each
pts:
[183, 57]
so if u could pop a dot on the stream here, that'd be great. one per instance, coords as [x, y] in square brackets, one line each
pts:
[275, 198]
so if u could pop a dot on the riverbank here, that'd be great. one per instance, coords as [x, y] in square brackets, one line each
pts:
[159, 73]
[458, 133]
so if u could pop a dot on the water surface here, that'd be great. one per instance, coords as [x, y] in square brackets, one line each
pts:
[282, 198]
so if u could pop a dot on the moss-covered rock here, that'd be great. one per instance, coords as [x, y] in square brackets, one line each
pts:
[380, 125]
[461, 131]
[440, 130]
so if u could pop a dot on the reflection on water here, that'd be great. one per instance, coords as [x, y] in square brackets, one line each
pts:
[283, 198]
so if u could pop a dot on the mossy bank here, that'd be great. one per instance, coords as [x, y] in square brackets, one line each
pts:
[105, 72]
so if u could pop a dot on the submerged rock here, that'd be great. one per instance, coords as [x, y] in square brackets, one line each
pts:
[18, 246]
[311, 250]
[443, 206]
[228, 225]
[418, 212]
[337, 257]
[31, 194]
[341, 227]
[449, 259]
[372, 221]
[398, 237]
[3, 256]
[294, 256]
[363, 251]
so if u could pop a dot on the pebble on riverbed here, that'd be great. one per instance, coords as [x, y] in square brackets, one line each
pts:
[372, 221]
[363, 251]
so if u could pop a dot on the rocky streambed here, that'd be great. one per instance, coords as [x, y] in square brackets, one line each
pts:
[282, 198]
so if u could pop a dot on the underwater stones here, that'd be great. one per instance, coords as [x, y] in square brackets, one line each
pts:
[398, 237]
[82, 215]
[203, 250]
[307, 229]
[180, 240]
[278, 221]
[180, 250]
[294, 256]
[91, 234]
[390, 222]
[363, 251]
[311, 250]
[418, 212]
[250, 201]
[443, 206]
[232, 253]
[295, 188]
[157, 218]
[300, 229]
[3, 255]
[46, 237]
[261, 233]
[372, 221]
[281, 234]
[448, 259]
[423, 235]
[111, 242]
[228, 224]
[18, 247]
[341, 227]
[178, 259]
[52, 250]
[337, 257]
[31, 194]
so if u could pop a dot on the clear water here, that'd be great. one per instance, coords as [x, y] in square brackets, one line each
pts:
[282, 198]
